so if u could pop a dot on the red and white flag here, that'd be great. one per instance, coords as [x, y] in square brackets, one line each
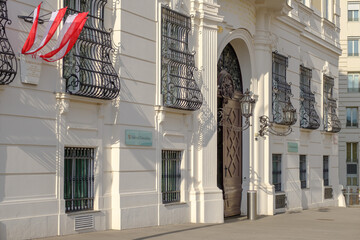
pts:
[33, 32]
[67, 37]
[54, 21]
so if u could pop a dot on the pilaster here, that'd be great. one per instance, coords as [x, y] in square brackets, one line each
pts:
[206, 198]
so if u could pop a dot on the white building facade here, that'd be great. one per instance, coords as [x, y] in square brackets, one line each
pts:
[349, 98]
[81, 153]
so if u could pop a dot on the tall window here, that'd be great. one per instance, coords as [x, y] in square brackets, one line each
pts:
[309, 119]
[79, 179]
[352, 163]
[326, 170]
[281, 89]
[353, 11]
[87, 68]
[353, 47]
[171, 176]
[276, 171]
[302, 168]
[178, 85]
[351, 116]
[331, 120]
[353, 82]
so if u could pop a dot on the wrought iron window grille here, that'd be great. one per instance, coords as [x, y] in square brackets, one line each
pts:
[79, 179]
[171, 176]
[178, 86]
[282, 110]
[331, 120]
[309, 119]
[8, 62]
[88, 68]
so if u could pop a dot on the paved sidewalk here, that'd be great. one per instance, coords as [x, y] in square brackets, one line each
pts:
[322, 223]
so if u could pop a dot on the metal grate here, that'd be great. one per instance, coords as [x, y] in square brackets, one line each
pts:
[328, 193]
[309, 118]
[8, 63]
[331, 120]
[280, 201]
[276, 171]
[171, 176]
[79, 179]
[281, 91]
[88, 69]
[84, 222]
[178, 85]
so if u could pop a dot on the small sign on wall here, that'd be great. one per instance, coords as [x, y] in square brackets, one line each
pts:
[30, 69]
[138, 137]
[292, 147]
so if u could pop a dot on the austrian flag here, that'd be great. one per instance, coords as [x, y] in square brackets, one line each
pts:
[67, 37]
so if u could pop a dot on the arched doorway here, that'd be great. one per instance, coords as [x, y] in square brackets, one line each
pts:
[229, 136]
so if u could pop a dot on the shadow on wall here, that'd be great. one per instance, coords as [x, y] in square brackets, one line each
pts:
[2, 231]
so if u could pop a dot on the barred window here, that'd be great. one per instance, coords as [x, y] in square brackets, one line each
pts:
[171, 176]
[276, 171]
[331, 120]
[79, 179]
[302, 168]
[326, 170]
[281, 91]
[352, 164]
[309, 118]
[178, 86]
[87, 68]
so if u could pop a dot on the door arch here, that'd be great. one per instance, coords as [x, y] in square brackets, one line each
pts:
[229, 157]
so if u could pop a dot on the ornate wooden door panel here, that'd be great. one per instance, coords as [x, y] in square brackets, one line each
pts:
[232, 160]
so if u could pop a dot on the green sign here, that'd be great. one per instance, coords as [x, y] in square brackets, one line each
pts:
[292, 147]
[138, 137]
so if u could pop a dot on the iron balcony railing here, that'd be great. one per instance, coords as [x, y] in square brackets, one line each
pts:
[8, 62]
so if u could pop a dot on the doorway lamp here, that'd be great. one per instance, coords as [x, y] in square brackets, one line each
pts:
[246, 107]
[289, 118]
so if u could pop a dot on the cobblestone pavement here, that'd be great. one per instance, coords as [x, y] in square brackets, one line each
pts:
[321, 223]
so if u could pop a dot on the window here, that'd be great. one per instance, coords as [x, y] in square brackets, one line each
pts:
[309, 119]
[353, 47]
[178, 86]
[331, 121]
[281, 89]
[326, 170]
[351, 116]
[353, 11]
[353, 82]
[171, 176]
[352, 163]
[276, 171]
[79, 179]
[302, 168]
[326, 9]
[87, 68]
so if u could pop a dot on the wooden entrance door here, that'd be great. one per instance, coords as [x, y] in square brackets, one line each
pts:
[232, 159]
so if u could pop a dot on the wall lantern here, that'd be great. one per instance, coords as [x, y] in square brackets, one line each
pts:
[246, 107]
[289, 118]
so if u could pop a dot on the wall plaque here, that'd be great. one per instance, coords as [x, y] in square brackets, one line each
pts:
[30, 69]
[292, 147]
[138, 137]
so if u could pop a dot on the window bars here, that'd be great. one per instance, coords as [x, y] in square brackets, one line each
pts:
[78, 179]
[331, 120]
[281, 91]
[171, 176]
[309, 119]
[302, 171]
[178, 87]
[87, 68]
[276, 172]
[8, 63]
[326, 170]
